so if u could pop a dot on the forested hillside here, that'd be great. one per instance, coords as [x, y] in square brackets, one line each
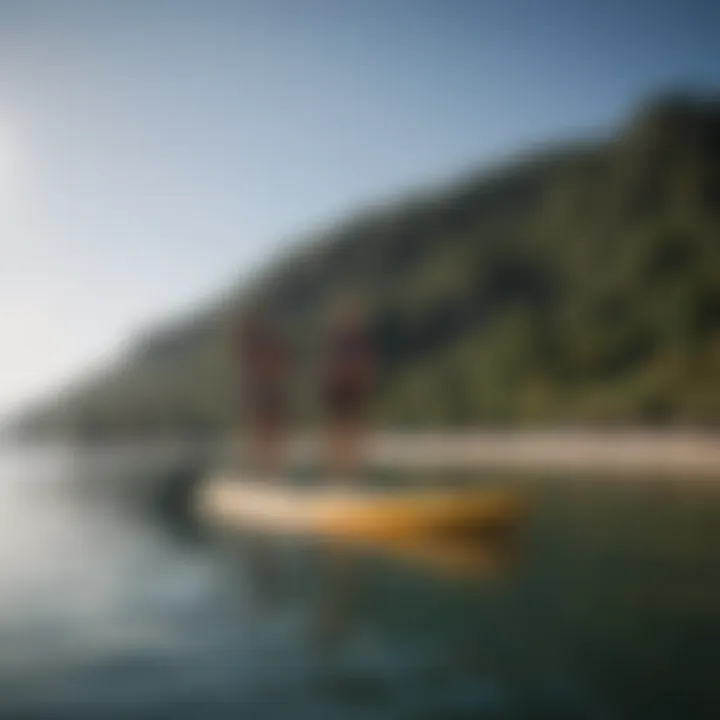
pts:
[575, 286]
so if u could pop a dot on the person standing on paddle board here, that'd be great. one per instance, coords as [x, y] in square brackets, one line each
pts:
[347, 371]
[348, 375]
[263, 368]
[261, 360]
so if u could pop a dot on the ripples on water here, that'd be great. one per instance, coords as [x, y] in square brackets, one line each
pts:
[609, 607]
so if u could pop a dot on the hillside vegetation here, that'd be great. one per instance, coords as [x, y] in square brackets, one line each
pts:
[577, 286]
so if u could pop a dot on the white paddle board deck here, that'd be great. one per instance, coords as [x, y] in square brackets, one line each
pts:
[230, 500]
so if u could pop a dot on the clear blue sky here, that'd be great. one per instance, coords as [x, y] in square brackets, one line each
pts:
[153, 150]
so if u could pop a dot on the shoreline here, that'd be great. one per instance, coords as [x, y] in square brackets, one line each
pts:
[668, 454]
[555, 451]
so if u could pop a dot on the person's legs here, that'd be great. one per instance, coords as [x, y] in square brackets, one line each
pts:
[266, 450]
[345, 442]
[267, 434]
[266, 446]
[342, 447]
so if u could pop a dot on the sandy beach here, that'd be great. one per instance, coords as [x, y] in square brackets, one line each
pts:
[668, 454]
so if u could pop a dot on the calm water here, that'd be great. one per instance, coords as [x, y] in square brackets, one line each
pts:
[607, 605]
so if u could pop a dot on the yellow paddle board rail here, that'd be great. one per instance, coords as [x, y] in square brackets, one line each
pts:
[356, 513]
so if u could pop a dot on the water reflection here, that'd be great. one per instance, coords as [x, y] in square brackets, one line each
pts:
[338, 604]
[485, 557]
[604, 605]
[264, 563]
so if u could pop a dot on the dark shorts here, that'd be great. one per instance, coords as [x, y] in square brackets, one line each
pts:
[264, 406]
[345, 401]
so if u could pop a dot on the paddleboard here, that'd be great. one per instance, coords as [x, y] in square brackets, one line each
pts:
[343, 512]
